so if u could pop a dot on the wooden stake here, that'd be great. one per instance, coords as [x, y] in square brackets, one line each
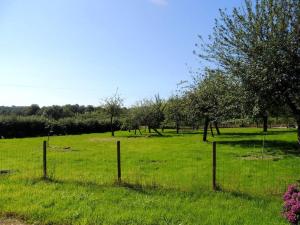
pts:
[119, 160]
[214, 156]
[45, 159]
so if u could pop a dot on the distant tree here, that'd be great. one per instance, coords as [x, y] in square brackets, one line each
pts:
[32, 110]
[174, 111]
[134, 119]
[53, 112]
[156, 114]
[151, 113]
[68, 111]
[89, 109]
[259, 44]
[113, 107]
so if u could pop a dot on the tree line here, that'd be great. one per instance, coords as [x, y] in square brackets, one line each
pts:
[55, 112]
[212, 100]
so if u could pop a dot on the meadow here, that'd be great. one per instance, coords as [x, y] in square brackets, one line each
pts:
[165, 180]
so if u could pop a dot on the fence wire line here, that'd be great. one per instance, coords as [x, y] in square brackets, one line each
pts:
[238, 172]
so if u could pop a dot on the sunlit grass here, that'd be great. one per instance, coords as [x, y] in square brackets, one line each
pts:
[165, 180]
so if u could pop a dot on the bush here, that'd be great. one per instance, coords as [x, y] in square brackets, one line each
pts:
[12, 126]
[292, 204]
[32, 126]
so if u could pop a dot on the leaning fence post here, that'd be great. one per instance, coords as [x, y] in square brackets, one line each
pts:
[45, 159]
[214, 167]
[119, 160]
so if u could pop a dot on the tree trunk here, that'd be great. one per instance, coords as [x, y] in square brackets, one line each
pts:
[149, 129]
[177, 127]
[140, 131]
[211, 130]
[298, 125]
[242, 125]
[205, 129]
[111, 127]
[265, 118]
[157, 131]
[296, 111]
[134, 131]
[217, 127]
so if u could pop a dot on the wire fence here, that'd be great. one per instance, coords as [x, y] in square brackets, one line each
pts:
[160, 167]
[19, 161]
[185, 170]
[80, 166]
[253, 171]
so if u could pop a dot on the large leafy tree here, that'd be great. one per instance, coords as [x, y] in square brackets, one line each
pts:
[214, 97]
[260, 45]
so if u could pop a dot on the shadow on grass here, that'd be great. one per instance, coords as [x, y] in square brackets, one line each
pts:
[138, 187]
[247, 134]
[144, 135]
[166, 134]
[156, 189]
[224, 133]
[253, 196]
[152, 135]
[145, 189]
[244, 195]
[271, 146]
[183, 132]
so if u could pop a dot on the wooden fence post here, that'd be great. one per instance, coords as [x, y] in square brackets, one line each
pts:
[119, 160]
[45, 159]
[214, 167]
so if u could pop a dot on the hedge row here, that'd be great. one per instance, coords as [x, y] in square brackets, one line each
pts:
[16, 127]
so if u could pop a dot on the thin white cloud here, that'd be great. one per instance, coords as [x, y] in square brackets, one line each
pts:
[160, 2]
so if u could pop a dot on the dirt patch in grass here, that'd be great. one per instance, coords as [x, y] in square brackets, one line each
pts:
[11, 222]
[260, 157]
[7, 172]
[61, 148]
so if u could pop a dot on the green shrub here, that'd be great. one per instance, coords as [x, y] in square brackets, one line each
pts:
[32, 126]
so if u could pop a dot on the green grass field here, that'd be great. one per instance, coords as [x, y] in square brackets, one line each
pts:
[165, 180]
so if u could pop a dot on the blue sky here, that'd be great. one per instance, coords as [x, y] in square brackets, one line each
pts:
[81, 51]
